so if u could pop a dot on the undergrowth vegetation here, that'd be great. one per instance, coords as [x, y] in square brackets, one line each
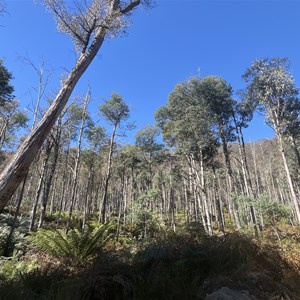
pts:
[76, 246]
[91, 263]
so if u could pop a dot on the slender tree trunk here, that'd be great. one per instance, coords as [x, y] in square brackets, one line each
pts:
[231, 186]
[243, 158]
[121, 199]
[40, 185]
[186, 201]
[288, 175]
[204, 196]
[18, 167]
[201, 194]
[3, 134]
[36, 200]
[53, 196]
[163, 199]
[172, 202]
[296, 151]
[15, 172]
[257, 181]
[132, 194]
[125, 203]
[218, 202]
[108, 174]
[64, 181]
[246, 175]
[77, 159]
[86, 197]
[48, 180]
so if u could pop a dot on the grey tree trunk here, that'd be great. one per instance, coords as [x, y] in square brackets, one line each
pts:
[246, 175]
[77, 159]
[216, 189]
[18, 167]
[15, 172]
[231, 187]
[243, 159]
[102, 216]
[125, 203]
[172, 201]
[295, 149]
[86, 197]
[288, 175]
[119, 205]
[40, 185]
[48, 181]
[256, 172]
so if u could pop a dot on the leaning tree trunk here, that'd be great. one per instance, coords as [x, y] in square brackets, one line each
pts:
[15, 172]
[18, 167]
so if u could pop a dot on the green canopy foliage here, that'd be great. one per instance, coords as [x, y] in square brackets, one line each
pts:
[6, 89]
[115, 109]
[271, 88]
[190, 119]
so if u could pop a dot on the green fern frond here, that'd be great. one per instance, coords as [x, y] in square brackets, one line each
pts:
[62, 240]
[84, 241]
[98, 238]
[48, 241]
[76, 244]
[73, 238]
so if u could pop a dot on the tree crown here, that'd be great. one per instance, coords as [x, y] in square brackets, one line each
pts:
[115, 109]
[6, 89]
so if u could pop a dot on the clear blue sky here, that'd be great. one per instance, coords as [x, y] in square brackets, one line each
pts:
[164, 46]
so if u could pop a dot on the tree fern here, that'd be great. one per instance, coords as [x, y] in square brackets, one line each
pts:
[78, 245]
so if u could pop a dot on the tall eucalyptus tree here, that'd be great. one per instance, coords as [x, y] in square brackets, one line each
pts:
[84, 119]
[115, 110]
[146, 140]
[186, 124]
[88, 25]
[271, 86]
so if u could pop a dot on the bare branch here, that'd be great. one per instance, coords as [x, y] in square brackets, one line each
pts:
[130, 7]
[86, 18]
[2, 7]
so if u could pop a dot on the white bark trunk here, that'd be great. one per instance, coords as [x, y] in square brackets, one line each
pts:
[289, 178]
[18, 167]
[14, 173]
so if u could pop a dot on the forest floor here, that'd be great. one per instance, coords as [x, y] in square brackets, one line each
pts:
[187, 264]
